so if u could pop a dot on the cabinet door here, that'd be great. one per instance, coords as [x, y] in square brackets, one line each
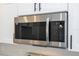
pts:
[24, 9]
[53, 7]
[74, 26]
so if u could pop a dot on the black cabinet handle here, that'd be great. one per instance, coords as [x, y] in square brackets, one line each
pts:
[34, 6]
[39, 6]
[70, 41]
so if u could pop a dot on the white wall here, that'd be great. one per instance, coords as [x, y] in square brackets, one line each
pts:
[7, 14]
[53, 7]
[74, 25]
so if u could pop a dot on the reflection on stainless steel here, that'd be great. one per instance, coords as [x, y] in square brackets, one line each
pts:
[25, 19]
[47, 30]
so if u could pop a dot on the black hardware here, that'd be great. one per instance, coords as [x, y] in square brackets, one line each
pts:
[39, 6]
[34, 6]
[70, 41]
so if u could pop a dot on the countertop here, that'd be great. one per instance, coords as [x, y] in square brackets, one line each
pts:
[29, 50]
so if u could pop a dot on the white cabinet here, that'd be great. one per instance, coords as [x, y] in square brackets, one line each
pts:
[53, 7]
[74, 26]
[32, 8]
[7, 14]
[25, 8]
